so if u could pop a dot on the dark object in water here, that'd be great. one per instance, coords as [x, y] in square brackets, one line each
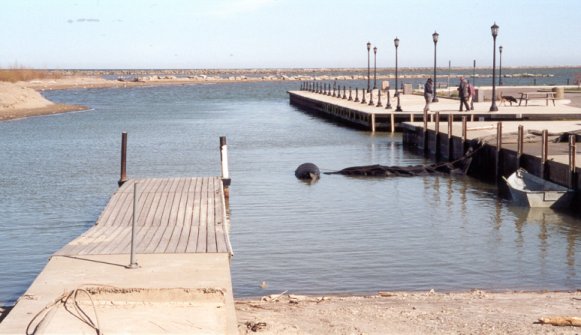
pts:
[459, 166]
[307, 171]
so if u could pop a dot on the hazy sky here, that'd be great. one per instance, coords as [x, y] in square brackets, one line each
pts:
[284, 33]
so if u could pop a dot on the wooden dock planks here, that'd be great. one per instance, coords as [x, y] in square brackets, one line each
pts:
[174, 215]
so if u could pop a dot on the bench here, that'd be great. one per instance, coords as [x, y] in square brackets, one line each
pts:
[526, 96]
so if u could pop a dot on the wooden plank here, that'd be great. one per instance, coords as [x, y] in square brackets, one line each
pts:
[202, 227]
[164, 220]
[179, 227]
[148, 222]
[117, 228]
[87, 242]
[165, 238]
[154, 224]
[192, 244]
[188, 217]
[211, 223]
[122, 243]
[220, 218]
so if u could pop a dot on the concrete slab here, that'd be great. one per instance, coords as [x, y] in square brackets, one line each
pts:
[168, 293]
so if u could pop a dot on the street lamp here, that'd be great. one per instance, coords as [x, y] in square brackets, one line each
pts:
[500, 67]
[494, 30]
[396, 43]
[374, 67]
[368, 65]
[435, 36]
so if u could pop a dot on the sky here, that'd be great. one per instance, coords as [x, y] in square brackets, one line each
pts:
[217, 34]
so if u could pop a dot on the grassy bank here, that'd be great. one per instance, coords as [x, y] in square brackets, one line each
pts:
[26, 74]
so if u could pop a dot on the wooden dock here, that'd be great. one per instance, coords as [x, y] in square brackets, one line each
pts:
[369, 110]
[175, 215]
[507, 147]
[182, 283]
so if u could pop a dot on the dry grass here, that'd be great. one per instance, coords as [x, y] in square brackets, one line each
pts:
[25, 74]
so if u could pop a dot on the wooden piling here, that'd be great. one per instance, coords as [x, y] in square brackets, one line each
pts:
[544, 152]
[450, 124]
[572, 161]
[437, 132]
[498, 149]
[519, 146]
[425, 132]
[464, 132]
[123, 177]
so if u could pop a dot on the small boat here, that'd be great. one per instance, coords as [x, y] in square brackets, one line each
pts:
[529, 190]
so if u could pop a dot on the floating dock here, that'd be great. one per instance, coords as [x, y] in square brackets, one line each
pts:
[177, 280]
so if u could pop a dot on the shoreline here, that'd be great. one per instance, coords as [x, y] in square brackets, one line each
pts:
[465, 312]
[407, 312]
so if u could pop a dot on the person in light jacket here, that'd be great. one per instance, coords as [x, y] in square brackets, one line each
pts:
[428, 94]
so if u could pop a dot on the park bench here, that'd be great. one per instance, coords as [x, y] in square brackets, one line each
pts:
[526, 96]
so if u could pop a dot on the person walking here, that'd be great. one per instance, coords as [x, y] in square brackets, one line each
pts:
[471, 93]
[428, 93]
[463, 94]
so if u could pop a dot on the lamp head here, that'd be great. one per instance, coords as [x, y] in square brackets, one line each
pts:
[500, 48]
[374, 50]
[435, 36]
[396, 42]
[368, 46]
[494, 30]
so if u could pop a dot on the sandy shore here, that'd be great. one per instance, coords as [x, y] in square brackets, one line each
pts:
[475, 312]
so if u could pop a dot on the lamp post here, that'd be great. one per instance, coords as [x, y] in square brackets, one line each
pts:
[474, 73]
[374, 67]
[494, 31]
[396, 43]
[500, 67]
[368, 66]
[435, 36]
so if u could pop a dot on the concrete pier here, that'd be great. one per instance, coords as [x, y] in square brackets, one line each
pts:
[180, 282]
[373, 117]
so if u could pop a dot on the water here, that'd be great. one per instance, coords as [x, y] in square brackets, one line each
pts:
[340, 235]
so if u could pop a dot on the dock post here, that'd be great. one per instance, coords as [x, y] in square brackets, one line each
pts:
[544, 152]
[379, 104]
[392, 122]
[344, 92]
[123, 177]
[372, 121]
[464, 132]
[519, 145]
[350, 96]
[425, 134]
[371, 103]
[437, 139]
[356, 95]
[450, 124]
[363, 101]
[498, 148]
[224, 164]
[572, 161]
[132, 262]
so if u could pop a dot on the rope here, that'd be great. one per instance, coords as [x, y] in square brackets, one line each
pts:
[63, 300]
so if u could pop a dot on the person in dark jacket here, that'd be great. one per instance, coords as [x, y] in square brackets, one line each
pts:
[428, 93]
[463, 93]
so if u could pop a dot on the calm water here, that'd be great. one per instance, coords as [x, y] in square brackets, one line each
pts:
[339, 235]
